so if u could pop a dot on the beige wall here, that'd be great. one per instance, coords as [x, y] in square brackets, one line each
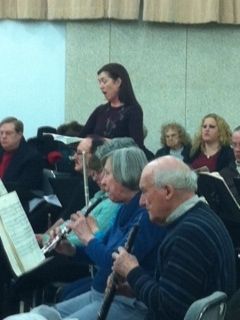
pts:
[179, 73]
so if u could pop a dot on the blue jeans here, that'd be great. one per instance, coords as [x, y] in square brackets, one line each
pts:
[87, 305]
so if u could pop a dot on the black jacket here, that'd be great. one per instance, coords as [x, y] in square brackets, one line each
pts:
[24, 172]
[166, 151]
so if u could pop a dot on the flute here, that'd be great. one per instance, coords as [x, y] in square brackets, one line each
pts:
[110, 292]
[64, 230]
[85, 179]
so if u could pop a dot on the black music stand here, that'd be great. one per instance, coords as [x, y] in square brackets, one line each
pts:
[218, 195]
[236, 181]
[64, 187]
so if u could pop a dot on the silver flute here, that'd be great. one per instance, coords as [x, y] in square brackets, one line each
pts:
[65, 229]
[85, 179]
[51, 243]
[85, 176]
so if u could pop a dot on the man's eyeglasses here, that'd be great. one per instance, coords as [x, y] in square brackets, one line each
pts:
[235, 145]
[7, 133]
[79, 153]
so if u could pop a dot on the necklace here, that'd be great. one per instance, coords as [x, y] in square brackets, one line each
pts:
[210, 153]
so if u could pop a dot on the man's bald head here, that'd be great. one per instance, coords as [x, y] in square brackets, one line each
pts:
[170, 170]
[166, 182]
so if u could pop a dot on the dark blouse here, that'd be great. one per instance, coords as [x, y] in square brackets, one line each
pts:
[110, 122]
[164, 151]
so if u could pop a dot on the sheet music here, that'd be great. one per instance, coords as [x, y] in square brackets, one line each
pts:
[51, 199]
[17, 235]
[64, 139]
[3, 190]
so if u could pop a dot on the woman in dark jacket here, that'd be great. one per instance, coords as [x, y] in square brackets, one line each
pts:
[211, 146]
[175, 141]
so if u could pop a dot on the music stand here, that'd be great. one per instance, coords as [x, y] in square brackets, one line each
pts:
[236, 181]
[218, 195]
[64, 188]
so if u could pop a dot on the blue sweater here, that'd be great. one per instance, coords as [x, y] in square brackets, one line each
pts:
[195, 259]
[99, 251]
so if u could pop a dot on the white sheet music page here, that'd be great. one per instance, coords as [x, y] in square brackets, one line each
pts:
[3, 190]
[18, 238]
[64, 139]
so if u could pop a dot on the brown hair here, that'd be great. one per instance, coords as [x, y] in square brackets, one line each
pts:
[18, 124]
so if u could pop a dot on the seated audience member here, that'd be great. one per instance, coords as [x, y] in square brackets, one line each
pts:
[20, 164]
[122, 171]
[211, 145]
[101, 217]
[195, 258]
[72, 129]
[20, 170]
[175, 141]
[233, 169]
[77, 199]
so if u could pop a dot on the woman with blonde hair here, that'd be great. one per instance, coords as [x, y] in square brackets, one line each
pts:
[211, 145]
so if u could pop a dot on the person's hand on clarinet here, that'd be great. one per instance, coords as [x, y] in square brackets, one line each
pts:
[123, 262]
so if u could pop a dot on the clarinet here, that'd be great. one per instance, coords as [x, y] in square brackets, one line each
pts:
[110, 292]
[50, 245]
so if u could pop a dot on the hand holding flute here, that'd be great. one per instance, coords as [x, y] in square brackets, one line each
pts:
[58, 236]
[114, 278]
[80, 226]
[57, 240]
[59, 233]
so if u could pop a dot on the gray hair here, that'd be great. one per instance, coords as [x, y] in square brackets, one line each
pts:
[114, 144]
[99, 157]
[180, 177]
[127, 165]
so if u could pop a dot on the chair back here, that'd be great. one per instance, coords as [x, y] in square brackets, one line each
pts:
[212, 307]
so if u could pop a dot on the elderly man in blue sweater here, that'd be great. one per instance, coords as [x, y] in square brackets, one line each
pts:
[196, 257]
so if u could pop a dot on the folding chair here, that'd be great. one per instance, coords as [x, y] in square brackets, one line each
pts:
[212, 307]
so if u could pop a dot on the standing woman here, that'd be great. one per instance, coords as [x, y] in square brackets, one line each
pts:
[211, 146]
[122, 115]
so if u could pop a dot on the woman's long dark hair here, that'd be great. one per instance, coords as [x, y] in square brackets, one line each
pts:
[126, 93]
